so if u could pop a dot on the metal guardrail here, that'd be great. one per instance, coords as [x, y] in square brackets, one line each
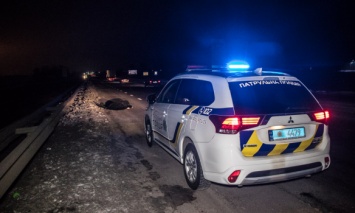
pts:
[37, 127]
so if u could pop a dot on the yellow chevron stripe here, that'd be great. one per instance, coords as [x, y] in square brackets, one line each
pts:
[304, 144]
[188, 112]
[178, 134]
[278, 149]
[252, 146]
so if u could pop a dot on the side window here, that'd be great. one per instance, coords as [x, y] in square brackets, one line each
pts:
[169, 93]
[195, 92]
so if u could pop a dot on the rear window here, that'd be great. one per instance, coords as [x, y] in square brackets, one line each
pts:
[271, 97]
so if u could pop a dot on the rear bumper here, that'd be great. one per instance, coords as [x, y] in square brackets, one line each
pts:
[272, 172]
[276, 175]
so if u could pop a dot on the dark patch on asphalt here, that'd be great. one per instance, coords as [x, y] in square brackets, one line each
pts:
[114, 104]
[315, 202]
[63, 209]
[138, 155]
[177, 195]
[147, 164]
[130, 167]
[154, 175]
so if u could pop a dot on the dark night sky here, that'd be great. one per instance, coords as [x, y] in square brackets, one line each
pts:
[169, 34]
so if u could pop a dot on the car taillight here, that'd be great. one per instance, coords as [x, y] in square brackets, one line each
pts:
[232, 125]
[250, 121]
[322, 116]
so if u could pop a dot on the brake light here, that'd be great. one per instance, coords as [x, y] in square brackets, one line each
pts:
[326, 114]
[321, 116]
[232, 125]
[250, 121]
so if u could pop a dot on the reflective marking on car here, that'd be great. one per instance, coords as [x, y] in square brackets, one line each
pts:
[198, 120]
[251, 146]
[278, 149]
[189, 110]
[267, 82]
[177, 132]
[179, 125]
[207, 111]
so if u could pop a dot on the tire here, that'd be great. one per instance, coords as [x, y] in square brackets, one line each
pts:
[149, 133]
[193, 170]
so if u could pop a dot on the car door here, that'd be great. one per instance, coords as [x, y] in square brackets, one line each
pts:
[177, 119]
[160, 112]
[192, 94]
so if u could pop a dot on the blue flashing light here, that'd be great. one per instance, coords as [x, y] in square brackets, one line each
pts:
[240, 65]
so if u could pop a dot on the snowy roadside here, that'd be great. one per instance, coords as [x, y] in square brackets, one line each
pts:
[85, 167]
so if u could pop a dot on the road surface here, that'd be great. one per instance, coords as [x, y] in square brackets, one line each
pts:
[97, 160]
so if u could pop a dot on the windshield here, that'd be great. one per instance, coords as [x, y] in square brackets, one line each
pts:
[271, 97]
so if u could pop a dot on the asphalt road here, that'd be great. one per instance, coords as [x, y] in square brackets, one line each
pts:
[97, 160]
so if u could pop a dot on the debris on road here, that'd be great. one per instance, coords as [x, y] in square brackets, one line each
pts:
[114, 104]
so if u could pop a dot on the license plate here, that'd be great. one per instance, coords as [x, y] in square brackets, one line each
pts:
[286, 134]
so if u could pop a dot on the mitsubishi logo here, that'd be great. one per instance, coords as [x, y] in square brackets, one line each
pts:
[290, 121]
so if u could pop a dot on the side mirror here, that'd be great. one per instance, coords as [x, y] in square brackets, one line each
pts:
[151, 98]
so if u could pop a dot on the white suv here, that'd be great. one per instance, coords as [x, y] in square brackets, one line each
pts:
[239, 128]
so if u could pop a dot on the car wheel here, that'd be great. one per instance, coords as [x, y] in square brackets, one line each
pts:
[193, 170]
[148, 133]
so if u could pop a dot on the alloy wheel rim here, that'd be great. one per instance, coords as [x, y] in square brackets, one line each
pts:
[191, 167]
[149, 137]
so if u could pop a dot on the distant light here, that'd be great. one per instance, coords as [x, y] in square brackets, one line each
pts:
[85, 76]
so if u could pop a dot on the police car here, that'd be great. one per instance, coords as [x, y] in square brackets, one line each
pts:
[239, 127]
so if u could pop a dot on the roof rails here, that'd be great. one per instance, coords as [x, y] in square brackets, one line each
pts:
[190, 68]
[214, 68]
[223, 71]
